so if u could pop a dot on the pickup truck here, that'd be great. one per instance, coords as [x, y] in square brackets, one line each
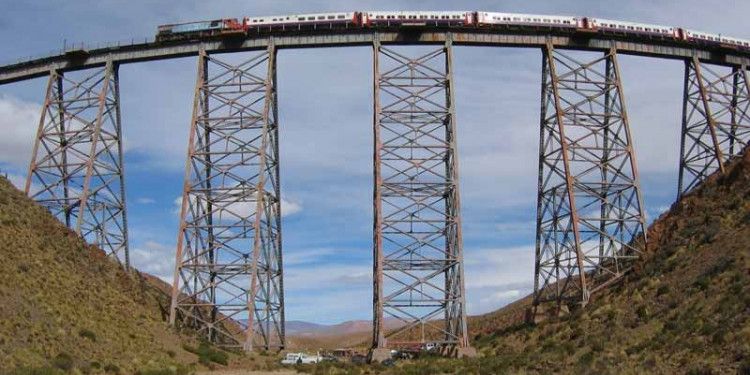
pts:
[300, 358]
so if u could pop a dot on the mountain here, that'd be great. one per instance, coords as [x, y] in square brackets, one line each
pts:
[65, 305]
[684, 309]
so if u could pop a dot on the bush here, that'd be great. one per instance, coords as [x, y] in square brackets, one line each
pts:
[171, 353]
[85, 333]
[112, 368]
[63, 361]
[664, 289]
[642, 313]
[207, 354]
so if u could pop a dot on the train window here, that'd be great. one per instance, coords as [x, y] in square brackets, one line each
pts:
[341, 16]
[546, 20]
[331, 17]
[631, 28]
[287, 18]
[321, 17]
[311, 18]
[506, 18]
[516, 19]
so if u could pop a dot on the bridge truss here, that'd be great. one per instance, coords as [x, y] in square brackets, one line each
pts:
[590, 219]
[228, 280]
[716, 120]
[418, 268]
[76, 169]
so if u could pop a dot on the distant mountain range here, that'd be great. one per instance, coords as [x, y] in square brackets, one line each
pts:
[299, 328]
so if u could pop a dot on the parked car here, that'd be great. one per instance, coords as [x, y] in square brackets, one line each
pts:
[329, 358]
[300, 358]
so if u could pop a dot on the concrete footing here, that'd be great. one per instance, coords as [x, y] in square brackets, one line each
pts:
[468, 352]
[378, 355]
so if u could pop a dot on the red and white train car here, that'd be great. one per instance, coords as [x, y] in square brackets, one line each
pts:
[494, 19]
[417, 18]
[702, 37]
[300, 21]
[641, 29]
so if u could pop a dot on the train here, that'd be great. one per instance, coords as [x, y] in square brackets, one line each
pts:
[249, 26]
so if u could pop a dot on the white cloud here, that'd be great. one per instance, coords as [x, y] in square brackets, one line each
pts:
[243, 209]
[145, 200]
[306, 256]
[19, 122]
[501, 296]
[154, 258]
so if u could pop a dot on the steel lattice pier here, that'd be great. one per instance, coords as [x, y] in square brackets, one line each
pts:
[590, 220]
[76, 168]
[716, 120]
[228, 276]
[418, 268]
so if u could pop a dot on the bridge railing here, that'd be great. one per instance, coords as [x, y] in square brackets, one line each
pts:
[77, 46]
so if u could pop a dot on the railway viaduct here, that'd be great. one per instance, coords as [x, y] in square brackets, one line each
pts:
[590, 219]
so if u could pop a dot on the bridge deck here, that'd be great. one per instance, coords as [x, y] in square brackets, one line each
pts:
[657, 48]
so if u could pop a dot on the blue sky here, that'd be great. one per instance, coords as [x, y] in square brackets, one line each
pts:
[325, 119]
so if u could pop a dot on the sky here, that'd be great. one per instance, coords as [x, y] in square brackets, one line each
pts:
[325, 119]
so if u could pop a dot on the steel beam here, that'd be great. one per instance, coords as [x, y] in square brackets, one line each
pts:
[715, 122]
[228, 280]
[124, 54]
[590, 219]
[418, 264]
[76, 169]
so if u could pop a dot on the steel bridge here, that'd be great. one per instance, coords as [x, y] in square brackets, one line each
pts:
[229, 268]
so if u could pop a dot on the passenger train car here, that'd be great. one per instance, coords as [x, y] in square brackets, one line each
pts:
[425, 18]
[630, 28]
[528, 20]
[461, 19]
[303, 21]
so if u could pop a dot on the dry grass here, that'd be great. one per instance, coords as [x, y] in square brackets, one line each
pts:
[684, 309]
[60, 298]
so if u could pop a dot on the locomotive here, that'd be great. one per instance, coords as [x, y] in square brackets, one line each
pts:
[454, 19]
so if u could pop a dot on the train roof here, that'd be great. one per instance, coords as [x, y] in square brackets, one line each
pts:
[628, 23]
[550, 16]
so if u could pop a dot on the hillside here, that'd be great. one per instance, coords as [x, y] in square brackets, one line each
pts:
[64, 304]
[684, 308]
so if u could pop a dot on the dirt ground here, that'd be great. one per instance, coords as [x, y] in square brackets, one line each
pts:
[245, 372]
